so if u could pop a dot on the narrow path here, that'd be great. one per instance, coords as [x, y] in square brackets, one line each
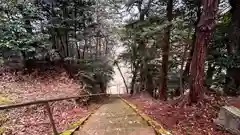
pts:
[115, 118]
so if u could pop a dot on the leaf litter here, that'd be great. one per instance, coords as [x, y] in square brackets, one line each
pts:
[187, 120]
[33, 120]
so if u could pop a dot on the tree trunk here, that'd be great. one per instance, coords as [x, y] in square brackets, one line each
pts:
[62, 47]
[233, 46]
[84, 48]
[90, 49]
[187, 68]
[65, 15]
[106, 46]
[97, 44]
[75, 30]
[181, 88]
[142, 75]
[133, 83]
[78, 52]
[234, 35]
[204, 32]
[149, 85]
[165, 49]
[134, 73]
[100, 47]
[66, 43]
[141, 47]
[125, 83]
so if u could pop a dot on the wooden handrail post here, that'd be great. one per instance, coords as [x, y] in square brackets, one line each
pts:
[51, 118]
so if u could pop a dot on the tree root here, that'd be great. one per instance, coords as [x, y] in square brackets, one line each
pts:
[183, 101]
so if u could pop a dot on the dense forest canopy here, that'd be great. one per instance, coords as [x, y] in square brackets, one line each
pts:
[40, 34]
[169, 45]
[175, 45]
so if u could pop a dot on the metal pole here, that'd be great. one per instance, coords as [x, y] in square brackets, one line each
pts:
[51, 119]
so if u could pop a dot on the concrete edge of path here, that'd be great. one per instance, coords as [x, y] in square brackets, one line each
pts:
[155, 125]
[78, 124]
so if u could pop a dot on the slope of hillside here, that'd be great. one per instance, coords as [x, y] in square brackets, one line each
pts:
[50, 84]
[33, 120]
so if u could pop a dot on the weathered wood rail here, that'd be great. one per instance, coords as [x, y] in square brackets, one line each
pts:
[47, 106]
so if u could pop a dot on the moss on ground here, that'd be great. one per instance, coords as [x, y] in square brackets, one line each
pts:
[2, 130]
[3, 119]
[67, 132]
[74, 125]
[77, 123]
[156, 126]
[4, 100]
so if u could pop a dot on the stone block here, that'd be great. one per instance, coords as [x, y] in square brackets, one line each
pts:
[229, 119]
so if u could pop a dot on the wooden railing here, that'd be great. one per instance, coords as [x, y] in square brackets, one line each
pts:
[47, 106]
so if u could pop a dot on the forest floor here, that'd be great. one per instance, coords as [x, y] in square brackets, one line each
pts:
[33, 120]
[184, 120]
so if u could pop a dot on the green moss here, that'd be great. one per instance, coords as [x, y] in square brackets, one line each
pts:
[67, 132]
[73, 126]
[4, 100]
[77, 123]
[157, 127]
[2, 130]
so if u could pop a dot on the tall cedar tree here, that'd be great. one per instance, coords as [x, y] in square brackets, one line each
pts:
[233, 48]
[165, 49]
[204, 31]
[141, 45]
[187, 68]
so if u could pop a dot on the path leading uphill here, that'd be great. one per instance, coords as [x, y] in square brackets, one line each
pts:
[115, 118]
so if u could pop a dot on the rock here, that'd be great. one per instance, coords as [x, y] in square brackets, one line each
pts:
[229, 119]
